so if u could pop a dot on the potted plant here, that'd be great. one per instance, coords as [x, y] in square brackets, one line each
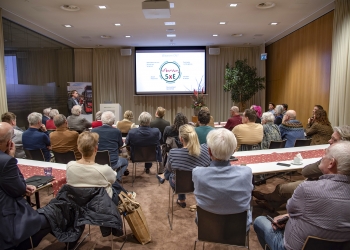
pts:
[198, 98]
[243, 82]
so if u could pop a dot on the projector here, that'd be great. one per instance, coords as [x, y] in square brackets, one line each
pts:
[156, 9]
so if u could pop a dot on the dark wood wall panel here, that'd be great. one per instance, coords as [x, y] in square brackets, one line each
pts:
[299, 66]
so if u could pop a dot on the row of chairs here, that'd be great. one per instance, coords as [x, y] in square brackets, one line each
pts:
[282, 144]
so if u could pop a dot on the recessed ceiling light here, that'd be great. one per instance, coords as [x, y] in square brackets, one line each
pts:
[127, 36]
[172, 5]
[67, 7]
[215, 35]
[171, 35]
[105, 36]
[67, 25]
[117, 24]
[102, 7]
[273, 23]
[233, 5]
[169, 23]
[237, 35]
[222, 23]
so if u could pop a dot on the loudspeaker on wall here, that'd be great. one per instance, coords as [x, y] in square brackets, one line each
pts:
[125, 52]
[214, 51]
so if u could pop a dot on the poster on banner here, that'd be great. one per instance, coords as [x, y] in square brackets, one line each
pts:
[84, 90]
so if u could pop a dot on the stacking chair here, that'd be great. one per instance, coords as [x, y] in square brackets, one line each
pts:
[102, 158]
[36, 155]
[246, 147]
[277, 144]
[65, 157]
[228, 229]
[143, 154]
[312, 243]
[183, 185]
[302, 142]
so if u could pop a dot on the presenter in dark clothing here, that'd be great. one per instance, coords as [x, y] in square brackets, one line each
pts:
[72, 101]
[22, 227]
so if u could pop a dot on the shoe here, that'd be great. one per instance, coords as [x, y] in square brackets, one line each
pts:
[126, 173]
[265, 205]
[258, 195]
[160, 179]
[181, 204]
[147, 170]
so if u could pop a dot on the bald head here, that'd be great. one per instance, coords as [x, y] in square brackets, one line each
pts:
[6, 132]
[291, 114]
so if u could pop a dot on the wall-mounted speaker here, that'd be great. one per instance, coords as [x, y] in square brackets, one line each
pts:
[214, 51]
[125, 52]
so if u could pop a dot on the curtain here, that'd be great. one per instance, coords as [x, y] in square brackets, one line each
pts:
[340, 74]
[3, 96]
[83, 65]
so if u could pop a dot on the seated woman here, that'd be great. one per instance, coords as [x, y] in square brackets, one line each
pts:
[98, 122]
[271, 130]
[278, 115]
[76, 121]
[173, 130]
[321, 129]
[187, 158]
[257, 109]
[126, 124]
[49, 123]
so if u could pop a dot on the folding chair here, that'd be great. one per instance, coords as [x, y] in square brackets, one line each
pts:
[102, 158]
[228, 229]
[143, 154]
[302, 142]
[183, 185]
[277, 144]
[65, 157]
[36, 155]
[313, 242]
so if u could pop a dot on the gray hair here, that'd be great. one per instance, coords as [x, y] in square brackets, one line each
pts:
[235, 109]
[46, 111]
[279, 109]
[108, 118]
[53, 112]
[59, 120]
[4, 138]
[34, 118]
[98, 115]
[222, 143]
[340, 151]
[343, 131]
[268, 117]
[76, 110]
[145, 119]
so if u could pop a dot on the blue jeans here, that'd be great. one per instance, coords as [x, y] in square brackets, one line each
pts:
[172, 184]
[267, 235]
[123, 165]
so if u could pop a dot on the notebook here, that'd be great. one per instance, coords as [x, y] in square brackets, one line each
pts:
[39, 180]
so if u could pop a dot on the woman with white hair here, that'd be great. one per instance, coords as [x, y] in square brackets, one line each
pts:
[279, 114]
[271, 130]
[50, 125]
[77, 122]
[98, 122]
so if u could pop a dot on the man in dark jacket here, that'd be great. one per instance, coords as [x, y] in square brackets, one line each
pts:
[72, 101]
[159, 122]
[19, 221]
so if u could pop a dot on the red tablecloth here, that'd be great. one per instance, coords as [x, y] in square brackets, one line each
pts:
[278, 157]
[57, 183]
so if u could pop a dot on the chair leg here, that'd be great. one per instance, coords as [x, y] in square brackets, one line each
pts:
[195, 243]
[171, 200]
[112, 245]
[158, 172]
[133, 173]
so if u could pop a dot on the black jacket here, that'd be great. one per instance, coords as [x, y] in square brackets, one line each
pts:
[74, 207]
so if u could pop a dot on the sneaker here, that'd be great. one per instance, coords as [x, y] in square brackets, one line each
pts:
[126, 172]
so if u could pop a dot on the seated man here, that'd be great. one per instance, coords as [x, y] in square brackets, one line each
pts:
[159, 122]
[77, 122]
[283, 192]
[46, 115]
[111, 140]
[64, 140]
[203, 129]
[20, 223]
[145, 136]
[248, 133]
[36, 136]
[234, 120]
[10, 118]
[317, 208]
[230, 191]
[291, 129]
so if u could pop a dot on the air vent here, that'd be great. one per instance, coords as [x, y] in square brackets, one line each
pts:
[67, 7]
[105, 37]
[266, 5]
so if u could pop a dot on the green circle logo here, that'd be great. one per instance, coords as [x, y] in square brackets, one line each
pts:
[170, 71]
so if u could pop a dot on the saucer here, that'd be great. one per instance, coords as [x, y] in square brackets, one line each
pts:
[296, 163]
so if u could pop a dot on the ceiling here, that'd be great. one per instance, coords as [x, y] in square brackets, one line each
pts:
[196, 21]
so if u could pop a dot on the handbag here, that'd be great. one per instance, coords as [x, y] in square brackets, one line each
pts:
[135, 217]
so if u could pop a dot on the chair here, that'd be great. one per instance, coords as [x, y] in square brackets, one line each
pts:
[102, 158]
[302, 142]
[143, 154]
[277, 144]
[183, 185]
[36, 155]
[228, 229]
[312, 243]
[65, 157]
[246, 147]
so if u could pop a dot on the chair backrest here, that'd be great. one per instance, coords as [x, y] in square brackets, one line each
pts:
[183, 182]
[144, 154]
[124, 134]
[302, 142]
[65, 157]
[277, 144]
[312, 243]
[246, 147]
[36, 155]
[225, 229]
[102, 158]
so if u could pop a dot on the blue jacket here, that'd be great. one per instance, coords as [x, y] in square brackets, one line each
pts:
[33, 139]
[291, 130]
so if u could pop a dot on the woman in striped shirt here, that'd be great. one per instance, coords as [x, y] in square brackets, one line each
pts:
[186, 158]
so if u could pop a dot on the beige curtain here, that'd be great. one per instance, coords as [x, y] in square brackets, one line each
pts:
[3, 96]
[339, 102]
[83, 65]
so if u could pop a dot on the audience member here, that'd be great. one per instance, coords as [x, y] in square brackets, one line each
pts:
[159, 122]
[145, 136]
[310, 121]
[36, 136]
[258, 112]
[291, 129]
[203, 129]
[222, 188]
[50, 125]
[126, 124]
[173, 130]
[211, 122]
[248, 133]
[321, 129]
[22, 227]
[46, 115]
[63, 139]
[186, 158]
[72, 101]
[313, 205]
[76, 121]
[10, 118]
[234, 120]
[278, 114]
[284, 191]
[111, 140]
[272, 108]
[98, 122]
[271, 130]
[285, 108]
